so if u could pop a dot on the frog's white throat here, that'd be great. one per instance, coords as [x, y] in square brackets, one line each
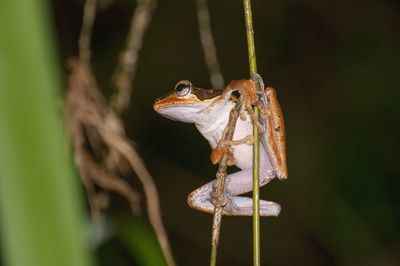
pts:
[184, 112]
[210, 116]
[211, 122]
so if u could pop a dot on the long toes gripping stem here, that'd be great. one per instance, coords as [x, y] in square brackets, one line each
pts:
[249, 140]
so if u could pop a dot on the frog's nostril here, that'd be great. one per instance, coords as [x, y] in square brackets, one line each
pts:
[155, 105]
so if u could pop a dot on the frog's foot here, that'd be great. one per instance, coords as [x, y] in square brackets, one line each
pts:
[218, 152]
[257, 79]
[254, 118]
[223, 147]
[246, 140]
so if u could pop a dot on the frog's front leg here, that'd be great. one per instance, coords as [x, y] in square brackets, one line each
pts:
[223, 147]
[237, 183]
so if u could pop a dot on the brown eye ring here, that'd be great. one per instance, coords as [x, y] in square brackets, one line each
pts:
[183, 88]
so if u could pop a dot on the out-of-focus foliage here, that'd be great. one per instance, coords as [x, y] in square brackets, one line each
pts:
[41, 218]
[127, 241]
[140, 241]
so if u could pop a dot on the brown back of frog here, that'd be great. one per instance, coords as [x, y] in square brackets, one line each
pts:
[275, 134]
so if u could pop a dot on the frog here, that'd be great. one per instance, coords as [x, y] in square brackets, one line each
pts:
[208, 110]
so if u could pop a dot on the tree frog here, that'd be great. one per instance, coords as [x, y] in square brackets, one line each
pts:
[209, 111]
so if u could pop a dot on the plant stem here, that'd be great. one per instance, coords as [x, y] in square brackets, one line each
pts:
[256, 195]
[250, 36]
[218, 196]
[89, 15]
[213, 259]
[128, 60]
[208, 44]
[256, 177]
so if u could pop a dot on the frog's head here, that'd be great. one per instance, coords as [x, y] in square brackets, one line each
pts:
[185, 102]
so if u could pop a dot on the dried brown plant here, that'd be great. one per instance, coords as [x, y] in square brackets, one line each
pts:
[208, 44]
[103, 153]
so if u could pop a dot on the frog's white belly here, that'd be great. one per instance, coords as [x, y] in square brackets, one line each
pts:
[243, 153]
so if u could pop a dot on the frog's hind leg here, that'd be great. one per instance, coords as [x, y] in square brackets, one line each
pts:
[201, 199]
[236, 184]
[242, 182]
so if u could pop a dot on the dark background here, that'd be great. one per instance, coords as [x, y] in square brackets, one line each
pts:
[335, 65]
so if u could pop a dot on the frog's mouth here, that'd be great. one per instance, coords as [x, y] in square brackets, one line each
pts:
[178, 109]
[174, 100]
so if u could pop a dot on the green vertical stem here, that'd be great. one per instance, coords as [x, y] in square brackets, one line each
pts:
[250, 36]
[213, 259]
[256, 176]
[256, 194]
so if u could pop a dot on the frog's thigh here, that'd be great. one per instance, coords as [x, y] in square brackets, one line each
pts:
[200, 199]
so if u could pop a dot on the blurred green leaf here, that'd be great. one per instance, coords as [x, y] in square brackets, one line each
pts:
[41, 216]
[140, 240]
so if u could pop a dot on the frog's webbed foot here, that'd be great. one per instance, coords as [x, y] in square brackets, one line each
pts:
[249, 140]
[223, 147]
[254, 118]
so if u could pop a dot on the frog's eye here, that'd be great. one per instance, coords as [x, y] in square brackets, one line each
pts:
[183, 88]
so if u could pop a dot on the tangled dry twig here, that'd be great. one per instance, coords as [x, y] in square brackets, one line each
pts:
[102, 151]
[207, 42]
[219, 199]
[103, 154]
[94, 129]
[128, 58]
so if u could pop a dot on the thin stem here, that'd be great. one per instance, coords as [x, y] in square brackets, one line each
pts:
[219, 199]
[256, 176]
[128, 59]
[216, 229]
[256, 194]
[207, 42]
[250, 36]
[213, 255]
[89, 14]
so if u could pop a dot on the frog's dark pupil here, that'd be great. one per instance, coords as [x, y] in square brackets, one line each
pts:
[181, 87]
